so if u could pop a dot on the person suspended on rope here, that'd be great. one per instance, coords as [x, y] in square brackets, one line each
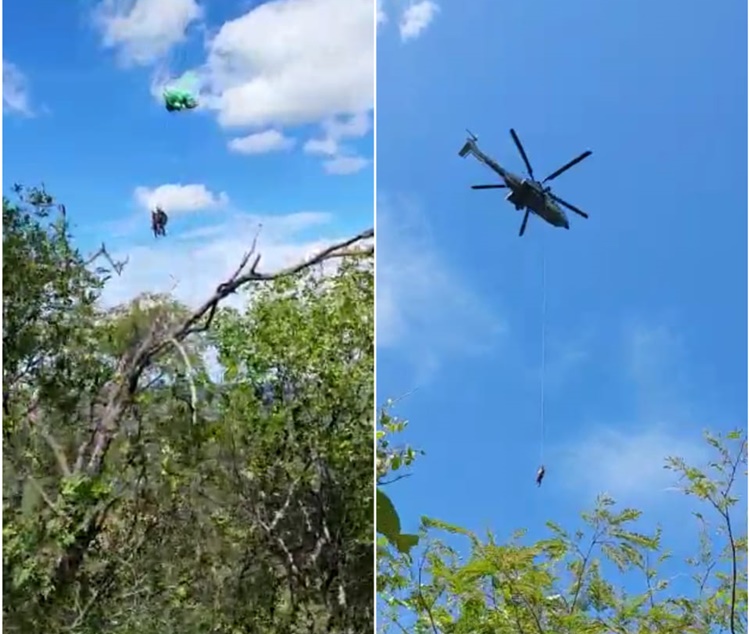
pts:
[155, 227]
[162, 219]
[540, 476]
[159, 221]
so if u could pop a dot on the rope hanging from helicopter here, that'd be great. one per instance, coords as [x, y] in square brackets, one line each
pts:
[543, 358]
[534, 197]
[543, 363]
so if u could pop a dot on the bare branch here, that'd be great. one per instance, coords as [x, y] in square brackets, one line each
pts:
[239, 279]
[102, 252]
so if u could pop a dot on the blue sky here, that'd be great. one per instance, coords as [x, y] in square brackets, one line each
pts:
[284, 135]
[646, 300]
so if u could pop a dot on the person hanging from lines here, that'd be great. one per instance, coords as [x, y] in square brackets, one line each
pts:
[540, 475]
[159, 221]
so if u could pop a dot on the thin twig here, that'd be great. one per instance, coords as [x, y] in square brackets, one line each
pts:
[724, 511]
[426, 607]
[396, 479]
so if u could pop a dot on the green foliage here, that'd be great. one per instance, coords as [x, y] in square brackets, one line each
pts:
[178, 503]
[49, 302]
[603, 577]
[391, 459]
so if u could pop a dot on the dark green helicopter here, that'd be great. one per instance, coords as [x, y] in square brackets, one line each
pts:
[527, 193]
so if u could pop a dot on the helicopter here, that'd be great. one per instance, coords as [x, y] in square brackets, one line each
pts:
[527, 193]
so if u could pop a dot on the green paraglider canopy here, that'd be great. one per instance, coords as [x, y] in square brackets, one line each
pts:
[180, 95]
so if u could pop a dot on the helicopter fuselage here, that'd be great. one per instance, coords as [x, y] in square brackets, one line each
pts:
[524, 193]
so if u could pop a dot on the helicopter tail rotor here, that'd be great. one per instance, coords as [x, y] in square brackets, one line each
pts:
[466, 149]
[470, 144]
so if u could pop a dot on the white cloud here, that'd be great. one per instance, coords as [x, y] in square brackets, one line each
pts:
[424, 310]
[626, 458]
[565, 359]
[416, 18]
[381, 15]
[289, 62]
[337, 129]
[15, 91]
[656, 363]
[193, 264]
[341, 165]
[650, 351]
[627, 463]
[143, 31]
[325, 146]
[176, 198]
[261, 143]
[341, 159]
[283, 63]
[355, 126]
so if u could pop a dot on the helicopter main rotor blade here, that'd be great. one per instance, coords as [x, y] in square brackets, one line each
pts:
[523, 152]
[488, 186]
[569, 206]
[567, 166]
[523, 224]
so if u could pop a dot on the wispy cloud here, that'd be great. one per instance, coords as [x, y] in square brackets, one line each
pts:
[657, 363]
[144, 31]
[178, 198]
[627, 462]
[416, 18]
[15, 91]
[341, 159]
[625, 456]
[343, 165]
[262, 143]
[380, 15]
[426, 311]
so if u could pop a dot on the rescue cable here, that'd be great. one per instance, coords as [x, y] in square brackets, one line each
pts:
[540, 473]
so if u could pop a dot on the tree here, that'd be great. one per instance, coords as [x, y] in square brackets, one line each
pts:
[574, 581]
[143, 495]
[391, 460]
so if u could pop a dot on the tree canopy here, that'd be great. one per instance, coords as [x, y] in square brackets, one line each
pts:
[144, 490]
[603, 576]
